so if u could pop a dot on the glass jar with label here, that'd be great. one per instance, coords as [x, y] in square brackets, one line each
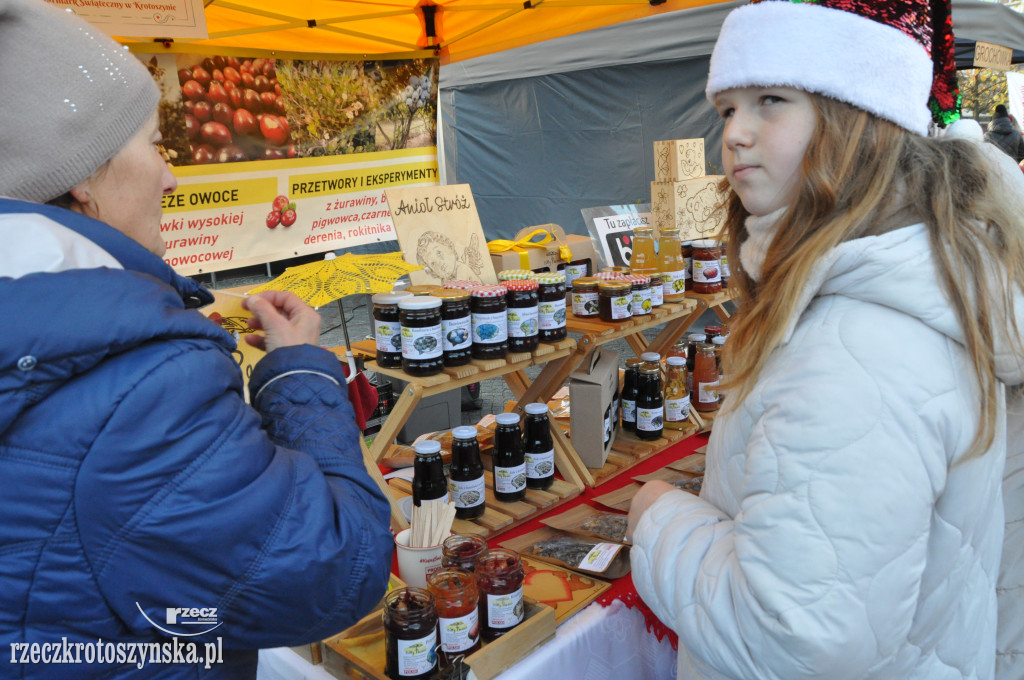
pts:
[704, 396]
[428, 480]
[410, 634]
[521, 314]
[462, 284]
[489, 323]
[650, 404]
[515, 275]
[643, 259]
[423, 289]
[387, 328]
[612, 270]
[458, 615]
[466, 474]
[712, 331]
[584, 297]
[551, 296]
[420, 317]
[576, 269]
[657, 290]
[499, 578]
[456, 326]
[538, 447]
[687, 251]
[508, 459]
[677, 399]
[692, 341]
[642, 303]
[707, 270]
[615, 300]
[719, 345]
[462, 551]
[725, 269]
[629, 381]
[672, 266]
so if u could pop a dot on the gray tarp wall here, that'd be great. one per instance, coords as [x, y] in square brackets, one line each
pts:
[541, 131]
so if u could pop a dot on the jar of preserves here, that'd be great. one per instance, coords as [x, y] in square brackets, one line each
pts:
[410, 634]
[538, 447]
[650, 404]
[610, 275]
[551, 295]
[456, 326]
[462, 552]
[725, 269]
[707, 270]
[719, 345]
[462, 284]
[657, 291]
[704, 396]
[499, 578]
[672, 266]
[692, 340]
[387, 328]
[509, 459]
[515, 275]
[521, 314]
[420, 318]
[677, 350]
[614, 270]
[712, 331]
[687, 251]
[615, 297]
[584, 297]
[643, 259]
[466, 474]
[576, 269]
[428, 480]
[677, 398]
[458, 615]
[423, 289]
[629, 380]
[641, 303]
[489, 324]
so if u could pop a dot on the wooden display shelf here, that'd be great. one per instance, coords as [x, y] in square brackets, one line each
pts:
[628, 451]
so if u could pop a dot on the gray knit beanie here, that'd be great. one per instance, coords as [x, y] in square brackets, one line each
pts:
[72, 98]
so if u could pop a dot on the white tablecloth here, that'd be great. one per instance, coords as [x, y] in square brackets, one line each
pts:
[599, 643]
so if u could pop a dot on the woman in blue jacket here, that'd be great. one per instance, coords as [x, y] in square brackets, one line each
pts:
[141, 499]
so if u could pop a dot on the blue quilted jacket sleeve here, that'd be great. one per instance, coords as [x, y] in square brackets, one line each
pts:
[266, 513]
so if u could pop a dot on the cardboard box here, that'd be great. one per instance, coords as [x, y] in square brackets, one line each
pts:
[678, 159]
[694, 206]
[591, 391]
[547, 259]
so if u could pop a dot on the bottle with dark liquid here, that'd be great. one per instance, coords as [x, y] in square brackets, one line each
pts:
[428, 480]
[538, 447]
[466, 475]
[509, 459]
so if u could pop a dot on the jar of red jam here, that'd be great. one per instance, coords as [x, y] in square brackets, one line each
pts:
[410, 634]
[462, 552]
[707, 269]
[499, 578]
[457, 600]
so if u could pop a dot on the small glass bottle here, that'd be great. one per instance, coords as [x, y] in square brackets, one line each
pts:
[719, 344]
[643, 259]
[387, 328]
[422, 348]
[521, 314]
[650, 405]
[462, 551]
[692, 340]
[707, 270]
[538, 447]
[551, 296]
[677, 399]
[509, 459]
[499, 578]
[428, 481]
[629, 394]
[456, 326]
[489, 322]
[712, 331]
[466, 474]
[657, 289]
[410, 634]
[584, 297]
[615, 300]
[704, 396]
[672, 266]
[458, 614]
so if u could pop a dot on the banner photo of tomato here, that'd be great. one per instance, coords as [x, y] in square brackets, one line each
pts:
[279, 158]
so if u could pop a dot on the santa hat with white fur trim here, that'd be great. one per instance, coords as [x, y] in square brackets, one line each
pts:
[892, 58]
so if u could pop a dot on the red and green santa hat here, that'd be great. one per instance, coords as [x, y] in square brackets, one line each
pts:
[892, 58]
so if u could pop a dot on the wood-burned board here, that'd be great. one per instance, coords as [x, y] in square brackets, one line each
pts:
[628, 451]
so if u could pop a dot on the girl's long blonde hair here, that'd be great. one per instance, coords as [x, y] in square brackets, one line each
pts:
[865, 176]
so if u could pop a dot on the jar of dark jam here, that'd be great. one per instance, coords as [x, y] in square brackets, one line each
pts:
[605, 275]
[707, 269]
[615, 300]
[462, 551]
[657, 293]
[508, 459]
[466, 474]
[489, 323]
[410, 634]
[499, 578]
[629, 394]
[387, 329]
[515, 275]
[456, 326]
[551, 295]
[584, 297]
[575, 270]
[538, 447]
[650, 404]
[642, 301]
[420, 316]
[521, 313]
[692, 341]
[423, 289]
[712, 331]
[458, 616]
[687, 250]
[428, 480]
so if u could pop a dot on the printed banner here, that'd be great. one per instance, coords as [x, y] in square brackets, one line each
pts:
[611, 230]
[282, 158]
[142, 18]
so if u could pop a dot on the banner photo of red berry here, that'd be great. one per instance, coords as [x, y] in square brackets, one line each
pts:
[277, 158]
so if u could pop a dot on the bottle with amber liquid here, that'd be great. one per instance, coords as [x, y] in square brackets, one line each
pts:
[410, 634]
[538, 448]
[466, 474]
[509, 459]
[704, 396]
[643, 260]
[672, 266]
[458, 616]
[677, 399]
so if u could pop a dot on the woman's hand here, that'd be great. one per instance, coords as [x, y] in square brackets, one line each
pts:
[284, 319]
[644, 498]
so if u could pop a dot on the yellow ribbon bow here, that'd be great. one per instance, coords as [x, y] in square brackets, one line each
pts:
[521, 246]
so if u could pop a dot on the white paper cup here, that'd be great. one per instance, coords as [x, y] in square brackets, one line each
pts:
[416, 564]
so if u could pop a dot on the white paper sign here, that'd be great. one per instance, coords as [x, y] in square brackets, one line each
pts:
[611, 230]
[1015, 94]
[142, 18]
